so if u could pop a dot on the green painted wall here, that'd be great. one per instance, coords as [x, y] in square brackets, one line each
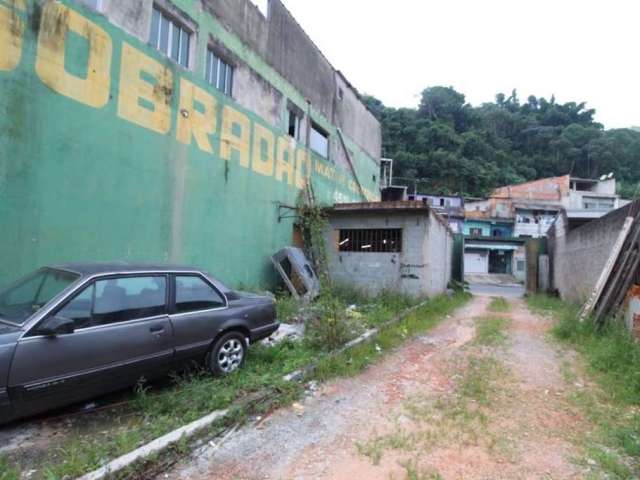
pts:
[82, 183]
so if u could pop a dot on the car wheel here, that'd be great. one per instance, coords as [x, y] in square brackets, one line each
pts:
[227, 355]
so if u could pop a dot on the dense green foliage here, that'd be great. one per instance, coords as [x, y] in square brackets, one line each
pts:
[449, 146]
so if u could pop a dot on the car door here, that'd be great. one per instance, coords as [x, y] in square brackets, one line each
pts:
[123, 333]
[198, 312]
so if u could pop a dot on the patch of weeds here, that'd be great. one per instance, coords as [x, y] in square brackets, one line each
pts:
[286, 307]
[8, 471]
[418, 321]
[461, 416]
[331, 325]
[414, 472]
[612, 357]
[375, 448]
[491, 330]
[499, 305]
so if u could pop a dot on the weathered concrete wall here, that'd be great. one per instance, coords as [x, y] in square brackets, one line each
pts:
[578, 256]
[110, 151]
[437, 256]
[423, 268]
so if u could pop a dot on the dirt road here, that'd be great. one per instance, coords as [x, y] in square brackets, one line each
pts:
[482, 396]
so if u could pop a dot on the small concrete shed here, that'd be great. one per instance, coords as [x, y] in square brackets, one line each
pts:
[399, 246]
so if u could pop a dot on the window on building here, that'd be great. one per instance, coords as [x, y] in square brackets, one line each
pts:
[219, 73]
[170, 37]
[295, 122]
[497, 232]
[194, 294]
[319, 141]
[475, 232]
[520, 265]
[374, 240]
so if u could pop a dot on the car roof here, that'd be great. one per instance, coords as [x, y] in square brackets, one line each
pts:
[86, 269]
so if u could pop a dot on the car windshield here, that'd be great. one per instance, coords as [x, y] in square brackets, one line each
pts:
[31, 293]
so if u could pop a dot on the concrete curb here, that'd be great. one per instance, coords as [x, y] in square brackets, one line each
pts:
[162, 443]
[155, 446]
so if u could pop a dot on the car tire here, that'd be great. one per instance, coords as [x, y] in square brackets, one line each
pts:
[227, 355]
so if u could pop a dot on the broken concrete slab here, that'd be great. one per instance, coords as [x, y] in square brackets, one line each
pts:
[297, 273]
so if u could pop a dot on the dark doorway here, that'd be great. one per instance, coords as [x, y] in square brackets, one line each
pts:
[500, 261]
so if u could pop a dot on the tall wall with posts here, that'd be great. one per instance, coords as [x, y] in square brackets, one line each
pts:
[112, 150]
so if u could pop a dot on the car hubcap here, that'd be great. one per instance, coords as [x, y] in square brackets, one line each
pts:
[230, 355]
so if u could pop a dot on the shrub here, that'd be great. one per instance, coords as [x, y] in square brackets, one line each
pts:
[330, 325]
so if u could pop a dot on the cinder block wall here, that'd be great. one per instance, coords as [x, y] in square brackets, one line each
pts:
[426, 254]
[578, 256]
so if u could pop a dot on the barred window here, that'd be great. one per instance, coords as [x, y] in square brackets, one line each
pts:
[170, 37]
[219, 73]
[380, 240]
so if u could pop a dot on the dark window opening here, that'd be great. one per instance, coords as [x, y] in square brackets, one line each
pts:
[475, 232]
[382, 240]
[294, 125]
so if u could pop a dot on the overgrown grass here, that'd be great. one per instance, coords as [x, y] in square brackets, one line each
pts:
[613, 360]
[499, 305]
[418, 321]
[8, 471]
[155, 412]
[491, 330]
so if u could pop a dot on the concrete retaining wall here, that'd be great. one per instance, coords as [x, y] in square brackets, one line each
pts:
[578, 256]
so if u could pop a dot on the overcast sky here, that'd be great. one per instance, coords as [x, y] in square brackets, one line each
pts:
[578, 50]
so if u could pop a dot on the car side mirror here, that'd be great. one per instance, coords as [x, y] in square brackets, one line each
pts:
[54, 326]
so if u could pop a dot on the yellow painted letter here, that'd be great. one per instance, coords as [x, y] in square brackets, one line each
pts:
[91, 89]
[285, 161]
[263, 146]
[11, 32]
[235, 135]
[155, 113]
[191, 122]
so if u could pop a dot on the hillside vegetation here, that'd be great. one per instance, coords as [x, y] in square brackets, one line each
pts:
[448, 146]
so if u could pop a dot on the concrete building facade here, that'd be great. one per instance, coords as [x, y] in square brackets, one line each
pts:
[169, 130]
[398, 246]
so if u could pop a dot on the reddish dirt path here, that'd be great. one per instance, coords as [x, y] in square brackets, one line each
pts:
[442, 406]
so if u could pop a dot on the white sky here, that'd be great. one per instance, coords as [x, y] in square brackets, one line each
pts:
[578, 50]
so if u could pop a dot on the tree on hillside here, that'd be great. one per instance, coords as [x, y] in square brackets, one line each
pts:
[445, 145]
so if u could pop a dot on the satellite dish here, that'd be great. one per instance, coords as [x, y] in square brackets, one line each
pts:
[610, 176]
[603, 178]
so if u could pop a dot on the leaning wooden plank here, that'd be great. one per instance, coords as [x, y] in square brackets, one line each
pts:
[620, 271]
[606, 271]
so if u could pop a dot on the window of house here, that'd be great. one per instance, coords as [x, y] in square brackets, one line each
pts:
[497, 233]
[374, 240]
[475, 232]
[295, 122]
[194, 294]
[170, 37]
[520, 265]
[129, 298]
[219, 73]
[319, 141]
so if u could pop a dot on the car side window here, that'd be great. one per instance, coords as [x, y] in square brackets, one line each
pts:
[79, 308]
[122, 299]
[193, 294]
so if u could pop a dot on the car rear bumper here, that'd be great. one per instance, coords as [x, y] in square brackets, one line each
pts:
[258, 334]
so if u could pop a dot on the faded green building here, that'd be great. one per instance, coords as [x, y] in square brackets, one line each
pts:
[169, 131]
